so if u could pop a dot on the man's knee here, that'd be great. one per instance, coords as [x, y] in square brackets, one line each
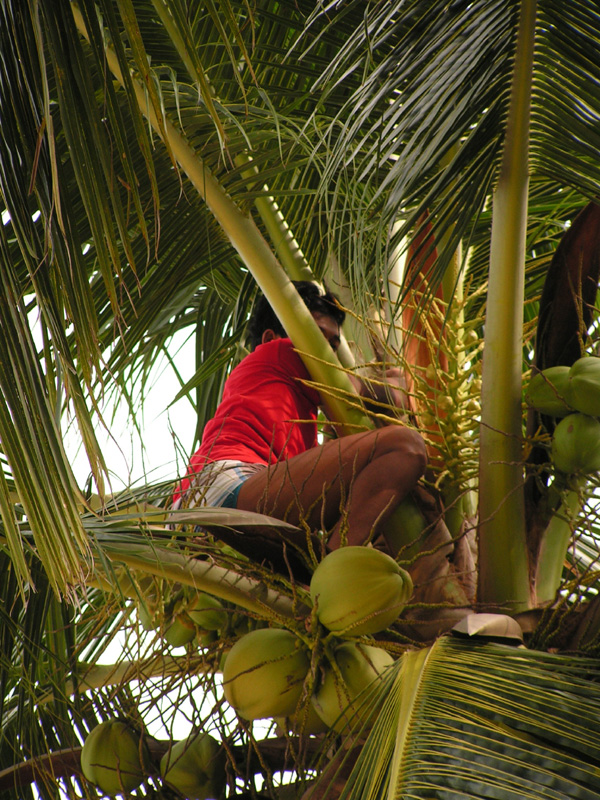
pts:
[406, 441]
[414, 448]
[410, 453]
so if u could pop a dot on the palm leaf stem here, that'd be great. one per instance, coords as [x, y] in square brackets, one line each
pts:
[59, 764]
[481, 720]
[453, 294]
[453, 277]
[202, 575]
[245, 237]
[98, 676]
[357, 329]
[285, 243]
[169, 14]
[501, 499]
[67, 762]
[410, 677]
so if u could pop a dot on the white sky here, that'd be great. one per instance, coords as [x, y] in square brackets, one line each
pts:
[153, 457]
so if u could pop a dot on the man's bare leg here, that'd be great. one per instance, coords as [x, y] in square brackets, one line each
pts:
[347, 486]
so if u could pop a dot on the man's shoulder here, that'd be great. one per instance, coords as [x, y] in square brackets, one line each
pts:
[279, 354]
[274, 350]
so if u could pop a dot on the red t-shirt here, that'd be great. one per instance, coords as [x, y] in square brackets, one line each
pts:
[266, 414]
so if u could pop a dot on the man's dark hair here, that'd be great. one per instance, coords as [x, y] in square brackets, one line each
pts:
[264, 318]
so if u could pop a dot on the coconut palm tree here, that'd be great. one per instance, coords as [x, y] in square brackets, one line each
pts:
[437, 163]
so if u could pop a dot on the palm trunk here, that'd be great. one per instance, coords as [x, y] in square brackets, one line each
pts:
[503, 563]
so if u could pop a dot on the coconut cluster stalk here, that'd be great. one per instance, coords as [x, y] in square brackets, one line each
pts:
[555, 543]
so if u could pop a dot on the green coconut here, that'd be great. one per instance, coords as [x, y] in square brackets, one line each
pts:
[115, 758]
[576, 445]
[207, 612]
[304, 721]
[147, 617]
[405, 528]
[549, 391]
[240, 624]
[359, 590]
[584, 389]
[195, 767]
[349, 700]
[207, 638]
[264, 673]
[180, 631]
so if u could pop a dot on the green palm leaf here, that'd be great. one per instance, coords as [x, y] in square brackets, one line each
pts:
[483, 720]
[435, 86]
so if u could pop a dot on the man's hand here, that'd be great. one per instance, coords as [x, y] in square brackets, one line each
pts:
[390, 390]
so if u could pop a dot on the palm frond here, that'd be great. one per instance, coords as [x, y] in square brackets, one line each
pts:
[472, 719]
[425, 125]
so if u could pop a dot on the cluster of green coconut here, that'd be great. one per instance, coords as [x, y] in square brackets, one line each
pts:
[317, 678]
[187, 615]
[572, 393]
[115, 758]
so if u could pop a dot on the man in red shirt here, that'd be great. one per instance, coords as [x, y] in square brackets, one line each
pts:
[260, 451]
